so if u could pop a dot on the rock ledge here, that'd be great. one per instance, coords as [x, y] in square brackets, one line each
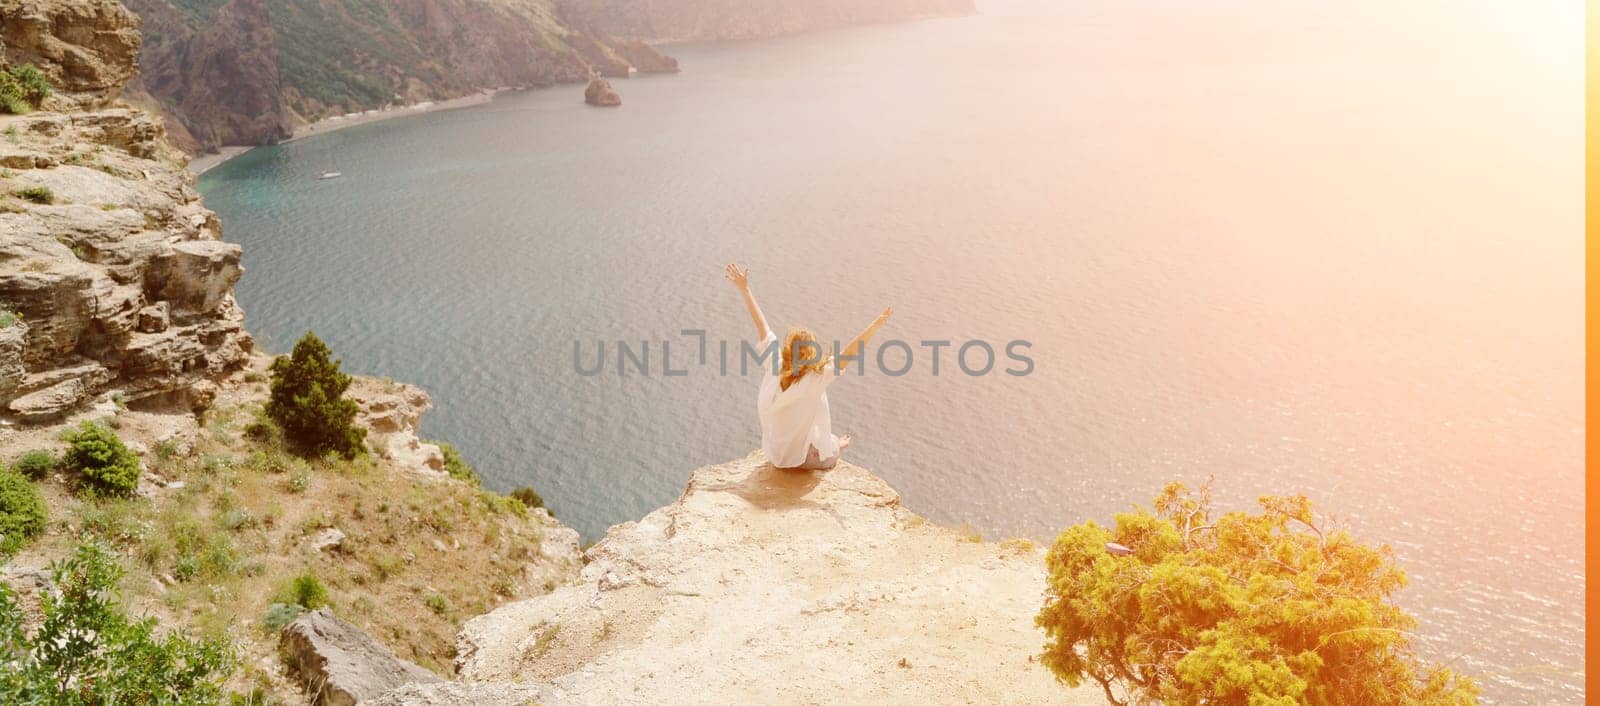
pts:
[766, 586]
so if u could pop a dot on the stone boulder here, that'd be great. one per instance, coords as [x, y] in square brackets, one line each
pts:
[197, 274]
[600, 93]
[342, 665]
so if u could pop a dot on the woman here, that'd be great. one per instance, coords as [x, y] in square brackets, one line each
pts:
[796, 430]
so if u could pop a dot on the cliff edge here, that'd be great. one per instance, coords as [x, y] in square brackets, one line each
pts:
[770, 586]
[114, 279]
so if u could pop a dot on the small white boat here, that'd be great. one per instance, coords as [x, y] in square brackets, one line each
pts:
[330, 175]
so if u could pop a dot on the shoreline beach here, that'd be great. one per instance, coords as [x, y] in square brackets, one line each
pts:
[206, 162]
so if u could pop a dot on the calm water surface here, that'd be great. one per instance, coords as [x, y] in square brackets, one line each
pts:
[1329, 250]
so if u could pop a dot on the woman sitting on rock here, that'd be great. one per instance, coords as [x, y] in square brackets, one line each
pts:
[796, 430]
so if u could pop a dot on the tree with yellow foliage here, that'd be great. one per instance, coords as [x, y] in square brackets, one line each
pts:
[1270, 609]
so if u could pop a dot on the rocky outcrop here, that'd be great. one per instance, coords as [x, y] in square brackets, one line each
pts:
[655, 21]
[600, 93]
[760, 585]
[85, 47]
[339, 665]
[113, 270]
[391, 413]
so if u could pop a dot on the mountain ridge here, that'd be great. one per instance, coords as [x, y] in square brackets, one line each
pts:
[251, 72]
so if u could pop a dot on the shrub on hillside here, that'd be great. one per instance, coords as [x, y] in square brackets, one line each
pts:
[528, 496]
[279, 615]
[307, 402]
[35, 86]
[305, 591]
[1274, 608]
[22, 512]
[108, 467]
[35, 464]
[455, 465]
[37, 194]
[262, 429]
[11, 95]
[22, 88]
[88, 651]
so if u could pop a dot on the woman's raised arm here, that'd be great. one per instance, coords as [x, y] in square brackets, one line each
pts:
[740, 277]
[854, 350]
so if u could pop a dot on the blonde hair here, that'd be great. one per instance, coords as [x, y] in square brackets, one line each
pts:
[802, 339]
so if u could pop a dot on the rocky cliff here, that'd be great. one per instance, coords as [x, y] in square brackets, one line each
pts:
[767, 586]
[87, 48]
[230, 72]
[217, 80]
[658, 21]
[113, 277]
[249, 71]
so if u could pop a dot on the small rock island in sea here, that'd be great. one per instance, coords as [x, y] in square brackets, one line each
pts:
[600, 93]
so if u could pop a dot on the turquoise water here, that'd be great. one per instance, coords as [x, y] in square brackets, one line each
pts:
[1296, 250]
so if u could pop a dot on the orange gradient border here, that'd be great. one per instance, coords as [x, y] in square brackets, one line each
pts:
[1592, 243]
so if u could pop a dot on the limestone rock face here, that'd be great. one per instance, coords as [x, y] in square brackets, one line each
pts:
[392, 414]
[113, 268]
[341, 664]
[600, 93]
[86, 47]
[12, 371]
[766, 586]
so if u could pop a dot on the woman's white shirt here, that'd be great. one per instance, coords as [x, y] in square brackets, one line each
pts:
[795, 420]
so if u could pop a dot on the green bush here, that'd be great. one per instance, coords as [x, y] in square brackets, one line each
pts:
[35, 87]
[1268, 609]
[305, 591]
[307, 402]
[11, 96]
[437, 603]
[36, 464]
[279, 615]
[455, 465]
[22, 511]
[528, 496]
[108, 467]
[262, 429]
[22, 88]
[88, 651]
[36, 194]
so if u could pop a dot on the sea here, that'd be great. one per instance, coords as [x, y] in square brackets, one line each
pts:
[1331, 249]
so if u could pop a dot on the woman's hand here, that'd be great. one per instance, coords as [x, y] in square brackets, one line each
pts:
[878, 323]
[740, 277]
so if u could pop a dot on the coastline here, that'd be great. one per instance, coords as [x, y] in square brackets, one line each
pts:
[201, 164]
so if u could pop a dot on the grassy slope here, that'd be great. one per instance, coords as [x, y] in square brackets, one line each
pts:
[420, 554]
